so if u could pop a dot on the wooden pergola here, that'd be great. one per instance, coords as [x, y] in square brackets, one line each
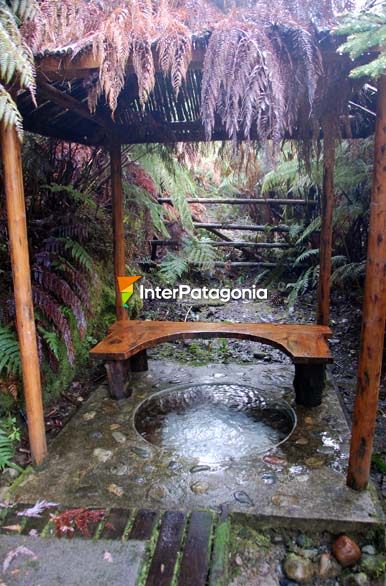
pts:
[62, 113]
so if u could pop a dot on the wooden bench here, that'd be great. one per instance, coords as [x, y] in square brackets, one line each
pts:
[124, 349]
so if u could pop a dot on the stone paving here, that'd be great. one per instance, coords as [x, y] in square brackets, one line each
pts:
[99, 459]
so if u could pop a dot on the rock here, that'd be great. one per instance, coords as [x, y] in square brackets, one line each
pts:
[242, 497]
[310, 553]
[157, 492]
[114, 489]
[303, 541]
[119, 437]
[238, 560]
[173, 465]
[102, 455]
[369, 550]
[114, 426]
[298, 569]
[346, 551]
[328, 567]
[89, 415]
[302, 441]
[259, 355]
[356, 580]
[308, 421]
[199, 487]
[11, 473]
[274, 460]
[268, 478]
[120, 470]
[315, 462]
[201, 468]
[143, 453]
[96, 435]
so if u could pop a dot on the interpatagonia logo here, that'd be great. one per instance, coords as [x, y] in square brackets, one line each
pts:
[126, 287]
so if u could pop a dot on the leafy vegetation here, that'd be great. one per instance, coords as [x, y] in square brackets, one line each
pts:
[9, 437]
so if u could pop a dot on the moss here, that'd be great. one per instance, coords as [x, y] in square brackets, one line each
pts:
[219, 567]
[374, 566]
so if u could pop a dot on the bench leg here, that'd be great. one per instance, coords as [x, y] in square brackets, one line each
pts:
[309, 383]
[118, 376]
[138, 363]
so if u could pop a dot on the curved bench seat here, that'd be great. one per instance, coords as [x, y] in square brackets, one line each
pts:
[124, 348]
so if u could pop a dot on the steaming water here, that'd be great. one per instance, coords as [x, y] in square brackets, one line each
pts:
[214, 423]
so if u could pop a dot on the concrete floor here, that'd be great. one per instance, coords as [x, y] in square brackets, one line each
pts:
[91, 464]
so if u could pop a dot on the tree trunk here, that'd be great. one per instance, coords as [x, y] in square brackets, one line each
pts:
[21, 274]
[324, 289]
[118, 226]
[374, 311]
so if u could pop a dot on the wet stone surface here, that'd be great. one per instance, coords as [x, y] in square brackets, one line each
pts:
[91, 464]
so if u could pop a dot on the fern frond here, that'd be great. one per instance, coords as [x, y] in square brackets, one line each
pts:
[10, 363]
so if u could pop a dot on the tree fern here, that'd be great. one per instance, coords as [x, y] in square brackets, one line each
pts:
[140, 197]
[10, 364]
[16, 59]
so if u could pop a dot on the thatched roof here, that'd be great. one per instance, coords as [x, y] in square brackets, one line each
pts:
[164, 71]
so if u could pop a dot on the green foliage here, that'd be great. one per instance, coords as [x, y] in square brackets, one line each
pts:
[172, 180]
[9, 436]
[140, 197]
[16, 59]
[195, 254]
[366, 32]
[10, 365]
[51, 340]
[78, 253]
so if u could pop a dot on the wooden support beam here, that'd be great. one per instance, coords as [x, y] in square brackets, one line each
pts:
[21, 274]
[118, 226]
[374, 311]
[243, 201]
[324, 288]
[224, 244]
[246, 227]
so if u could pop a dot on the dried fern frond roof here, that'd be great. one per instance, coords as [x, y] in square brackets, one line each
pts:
[170, 70]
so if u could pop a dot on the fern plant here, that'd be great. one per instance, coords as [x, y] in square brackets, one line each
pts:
[9, 437]
[16, 59]
[10, 364]
[366, 32]
[194, 254]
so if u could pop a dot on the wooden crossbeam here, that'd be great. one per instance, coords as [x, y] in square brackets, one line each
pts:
[243, 201]
[246, 227]
[238, 243]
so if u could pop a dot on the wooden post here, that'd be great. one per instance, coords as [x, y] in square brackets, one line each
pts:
[324, 288]
[118, 226]
[374, 311]
[21, 274]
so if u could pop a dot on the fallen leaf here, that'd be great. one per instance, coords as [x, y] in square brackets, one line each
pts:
[20, 550]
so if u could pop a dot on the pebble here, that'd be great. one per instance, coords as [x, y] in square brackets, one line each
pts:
[96, 435]
[120, 470]
[157, 492]
[102, 455]
[302, 441]
[119, 437]
[274, 460]
[356, 580]
[201, 468]
[346, 551]
[173, 465]
[199, 487]
[114, 426]
[89, 415]
[298, 569]
[308, 421]
[328, 567]
[143, 453]
[238, 560]
[303, 540]
[268, 478]
[114, 489]
[11, 473]
[369, 550]
[315, 462]
[242, 497]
